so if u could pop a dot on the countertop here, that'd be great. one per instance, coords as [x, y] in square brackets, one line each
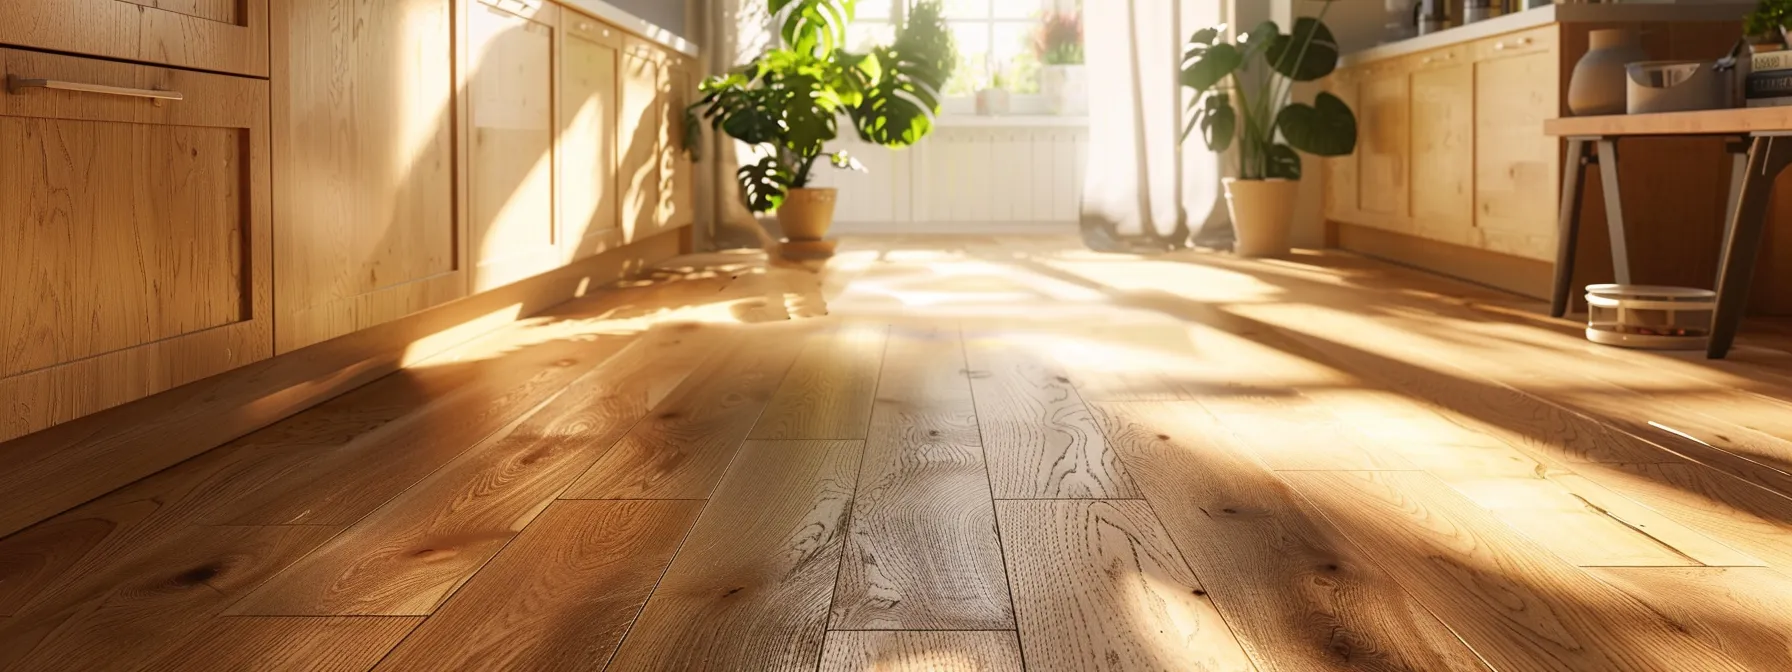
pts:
[633, 24]
[1531, 18]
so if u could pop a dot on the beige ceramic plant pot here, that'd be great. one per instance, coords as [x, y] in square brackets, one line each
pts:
[806, 214]
[1262, 214]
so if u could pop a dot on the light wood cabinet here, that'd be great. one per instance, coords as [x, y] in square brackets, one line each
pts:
[1517, 168]
[588, 206]
[510, 164]
[221, 35]
[678, 183]
[1341, 185]
[1443, 150]
[365, 218]
[638, 139]
[1383, 171]
[136, 235]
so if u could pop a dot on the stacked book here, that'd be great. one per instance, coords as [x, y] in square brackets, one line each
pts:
[1770, 79]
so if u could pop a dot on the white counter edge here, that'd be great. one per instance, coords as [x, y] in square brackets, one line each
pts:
[634, 24]
[1531, 18]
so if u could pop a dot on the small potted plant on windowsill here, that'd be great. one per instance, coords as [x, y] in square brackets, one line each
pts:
[994, 100]
[1242, 98]
[1765, 27]
[1062, 78]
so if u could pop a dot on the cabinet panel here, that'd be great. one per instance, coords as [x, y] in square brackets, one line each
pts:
[638, 138]
[1517, 168]
[136, 236]
[364, 145]
[1382, 178]
[678, 183]
[511, 150]
[1341, 171]
[223, 35]
[1443, 158]
[588, 206]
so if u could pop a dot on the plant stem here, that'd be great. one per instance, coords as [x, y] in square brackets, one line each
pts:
[802, 174]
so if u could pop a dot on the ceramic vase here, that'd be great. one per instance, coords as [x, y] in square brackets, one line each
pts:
[806, 214]
[1066, 89]
[1262, 215]
[1599, 80]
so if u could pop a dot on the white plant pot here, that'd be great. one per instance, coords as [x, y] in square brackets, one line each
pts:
[1262, 215]
[992, 102]
[1066, 89]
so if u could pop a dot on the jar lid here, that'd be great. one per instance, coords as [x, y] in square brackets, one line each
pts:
[1660, 291]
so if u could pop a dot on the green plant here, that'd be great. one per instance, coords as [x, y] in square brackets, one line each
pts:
[788, 102]
[1244, 89]
[1059, 38]
[1765, 22]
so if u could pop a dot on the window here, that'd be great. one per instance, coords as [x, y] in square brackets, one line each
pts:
[994, 39]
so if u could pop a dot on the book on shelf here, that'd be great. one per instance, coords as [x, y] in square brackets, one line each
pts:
[1776, 101]
[1769, 61]
[1768, 84]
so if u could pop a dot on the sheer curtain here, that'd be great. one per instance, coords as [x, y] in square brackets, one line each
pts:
[1145, 191]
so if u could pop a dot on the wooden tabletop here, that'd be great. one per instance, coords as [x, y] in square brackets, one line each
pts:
[1736, 121]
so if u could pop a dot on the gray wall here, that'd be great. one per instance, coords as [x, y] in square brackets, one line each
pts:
[668, 14]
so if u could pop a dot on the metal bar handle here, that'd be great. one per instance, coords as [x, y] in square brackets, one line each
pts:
[15, 84]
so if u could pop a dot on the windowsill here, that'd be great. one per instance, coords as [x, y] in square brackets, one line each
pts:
[1010, 121]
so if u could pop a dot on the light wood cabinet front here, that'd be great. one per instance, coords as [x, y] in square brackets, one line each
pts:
[638, 138]
[510, 88]
[678, 183]
[1341, 171]
[1382, 169]
[1517, 167]
[136, 235]
[364, 144]
[222, 35]
[1443, 154]
[588, 206]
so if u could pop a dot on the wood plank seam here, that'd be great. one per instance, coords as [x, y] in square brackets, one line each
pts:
[983, 446]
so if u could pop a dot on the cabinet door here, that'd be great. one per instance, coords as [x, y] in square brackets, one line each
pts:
[221, 35]
[364, 152]
[135, 235]
[510, 163]
[588, 206]
[1341, 171]
[1517, 168]
[1443, 159]
[678, 184]
[1382, 177]
[638, 138]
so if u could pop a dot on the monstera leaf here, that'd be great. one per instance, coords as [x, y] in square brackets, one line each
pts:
[1308, 54]
[902, 93]
[1205, 66]
[1280, 161]
[813, 26]
[764, 184]
[1326, 128]
[1216, 119]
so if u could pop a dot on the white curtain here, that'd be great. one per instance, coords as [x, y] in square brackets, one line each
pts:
[1145, 190]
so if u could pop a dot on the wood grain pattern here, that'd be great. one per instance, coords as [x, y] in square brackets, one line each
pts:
[913, 651]
[1099, 586]
[586, 201]
[1519, 607]
[1297, 593]
[1038, 438]
[637, 137]
[202, 35]
[1443, 157]
[829, 390]
[750, 588]
[1740, 611]
[559, 597]
[365, 223]
[510, 110]
[1294, 433]
[1384, 177]
[1746, 517]
[406, 557]
[345, 644]
[682, 448]
[1516, 169]
[923, 551]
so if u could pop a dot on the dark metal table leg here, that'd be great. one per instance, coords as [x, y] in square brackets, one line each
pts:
[1767, 156]
[1574, 171]
[1614, 209]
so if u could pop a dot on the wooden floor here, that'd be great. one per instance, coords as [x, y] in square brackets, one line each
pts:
[969, 454]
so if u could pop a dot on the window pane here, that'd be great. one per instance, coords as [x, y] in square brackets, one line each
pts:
[874, 9]
[966, 9]
[1018, 9]
[862, 35]
[973, 58]
[1013, 53]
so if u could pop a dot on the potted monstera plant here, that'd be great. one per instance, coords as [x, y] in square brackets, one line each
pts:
[1243, 98]
[788, 103]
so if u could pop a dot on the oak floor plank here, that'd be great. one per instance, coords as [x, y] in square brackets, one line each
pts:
[749, 589]
[828, 392]
[1298, 594]
[147, 601]
[921, 651]
[1038, 439]
[1515, 604]
[299, 644]
[681, 449]
[1751, 519]
[1098, 585]
[1292, 433]
[407, 557]
[561, 596]
[1738, 610]
[922, 552]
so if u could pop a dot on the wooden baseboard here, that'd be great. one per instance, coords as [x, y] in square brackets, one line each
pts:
[1518, 275]
[56, 469]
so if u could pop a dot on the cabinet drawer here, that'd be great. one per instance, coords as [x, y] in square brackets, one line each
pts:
[136, 231]
[1441, 58]
[222, 35]
[1513, 44]
[593, 30]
